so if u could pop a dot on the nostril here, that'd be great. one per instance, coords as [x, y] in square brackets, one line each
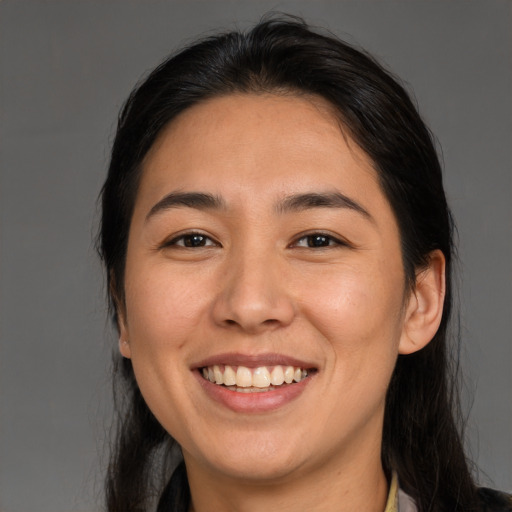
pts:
[251, 311]
[269, 322]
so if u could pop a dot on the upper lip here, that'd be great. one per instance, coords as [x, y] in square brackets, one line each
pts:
[253, 361]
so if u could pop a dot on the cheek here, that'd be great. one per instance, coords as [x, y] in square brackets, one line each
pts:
[163, 312]
[359, 315]
[355, 303]
[162, 307]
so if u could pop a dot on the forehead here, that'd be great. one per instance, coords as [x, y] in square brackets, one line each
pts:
[264, 143]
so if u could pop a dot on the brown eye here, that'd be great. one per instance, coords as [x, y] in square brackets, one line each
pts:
[192, 240]
[317, 240]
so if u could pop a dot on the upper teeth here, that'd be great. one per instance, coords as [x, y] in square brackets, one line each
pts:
[260, 377]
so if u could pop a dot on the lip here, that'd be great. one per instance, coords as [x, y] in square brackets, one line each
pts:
[253, 403]
[253, 360]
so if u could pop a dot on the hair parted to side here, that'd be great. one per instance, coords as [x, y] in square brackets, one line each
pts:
[282, 55]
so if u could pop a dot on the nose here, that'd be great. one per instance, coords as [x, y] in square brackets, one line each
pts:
[253, 294]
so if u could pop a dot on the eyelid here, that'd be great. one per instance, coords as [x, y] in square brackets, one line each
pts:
[172, 241]
[338, 240]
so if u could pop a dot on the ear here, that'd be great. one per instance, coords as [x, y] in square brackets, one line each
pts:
[124, 345]
[425, 307]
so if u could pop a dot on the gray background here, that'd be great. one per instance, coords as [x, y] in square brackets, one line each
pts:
[66, 67]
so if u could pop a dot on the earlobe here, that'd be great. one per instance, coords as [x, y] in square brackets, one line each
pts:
[425, 308]
[124, 348]
[124, 345]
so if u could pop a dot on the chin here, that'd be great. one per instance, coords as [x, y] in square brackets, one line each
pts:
[259, 470]
[254, 460]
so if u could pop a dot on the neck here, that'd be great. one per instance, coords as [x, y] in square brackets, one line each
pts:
[326, 488]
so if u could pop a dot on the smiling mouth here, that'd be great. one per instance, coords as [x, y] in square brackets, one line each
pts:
[255, 380]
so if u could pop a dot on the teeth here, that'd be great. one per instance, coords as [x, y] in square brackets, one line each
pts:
[251, 390]
[288, 374]
[261, 378]
[229, 376]
[246, 379]
[218, 375]
[277, 376]
[243, 377]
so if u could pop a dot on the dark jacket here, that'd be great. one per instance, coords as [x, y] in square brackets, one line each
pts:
[494, 501]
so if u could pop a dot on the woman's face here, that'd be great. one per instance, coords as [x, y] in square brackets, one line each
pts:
[261, 241]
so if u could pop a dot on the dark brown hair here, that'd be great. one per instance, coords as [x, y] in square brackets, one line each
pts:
[421, 438]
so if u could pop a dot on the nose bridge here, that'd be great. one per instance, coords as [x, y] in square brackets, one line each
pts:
[254, 294]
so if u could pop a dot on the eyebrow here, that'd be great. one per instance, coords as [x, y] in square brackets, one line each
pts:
[292, 203]
[197, 200]
[300, 202]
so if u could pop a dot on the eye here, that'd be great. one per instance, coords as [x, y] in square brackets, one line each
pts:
[318, 240]
[191, 240]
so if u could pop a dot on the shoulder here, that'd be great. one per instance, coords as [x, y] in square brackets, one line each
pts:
[494, 501]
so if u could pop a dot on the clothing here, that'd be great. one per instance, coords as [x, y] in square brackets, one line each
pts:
[176, 496]
[495, 501]
[491, 500]
[398, 500]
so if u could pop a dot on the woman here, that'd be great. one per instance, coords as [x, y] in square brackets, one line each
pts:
[278, 250]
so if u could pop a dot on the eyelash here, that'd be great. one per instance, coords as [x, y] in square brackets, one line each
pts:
[188, 236]
[331, 240]
[181, 241]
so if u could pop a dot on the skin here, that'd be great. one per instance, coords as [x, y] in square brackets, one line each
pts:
[257, 287]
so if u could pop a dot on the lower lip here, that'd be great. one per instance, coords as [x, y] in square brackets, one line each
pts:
[257, 402]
